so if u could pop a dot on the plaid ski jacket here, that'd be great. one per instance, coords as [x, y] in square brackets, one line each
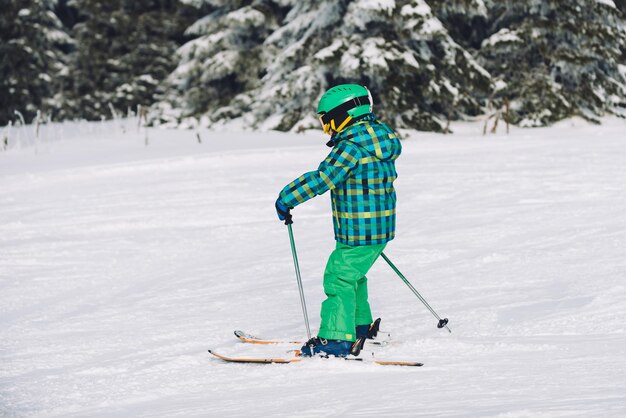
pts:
[359, 172]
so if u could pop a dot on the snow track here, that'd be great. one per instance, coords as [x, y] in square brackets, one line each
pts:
[120, 265]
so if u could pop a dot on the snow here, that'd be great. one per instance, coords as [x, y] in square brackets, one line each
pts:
[610, 3]
[499, 85]
[503, 35]
[421, 14]
[350, 62]
[148, 79]
[122, 264]
[246, 15]
[419, 9]
[409, 58]
[480, 8]
[473, 64]
[200, 27]
[384, 6]
[432, 26]
[453, 90]
[329, 51]
[375, 53]
[436, 87]
[196, 3]
[220, 65]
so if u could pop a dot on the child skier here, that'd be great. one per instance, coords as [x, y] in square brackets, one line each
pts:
[359, 172]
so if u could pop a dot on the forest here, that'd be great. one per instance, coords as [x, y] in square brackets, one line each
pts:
[264, 63]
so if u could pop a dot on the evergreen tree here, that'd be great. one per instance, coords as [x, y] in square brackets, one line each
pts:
[223, 61]
[32, 44]
[125, 49]
[265, 63]
[553, 58]
[558, 58]
[274, 79]
[467, 21]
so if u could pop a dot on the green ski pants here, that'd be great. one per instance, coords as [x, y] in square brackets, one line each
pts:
[345, 285]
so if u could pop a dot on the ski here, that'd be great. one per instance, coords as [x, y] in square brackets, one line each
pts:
[261, 360]
[278, 360]
[251, 339]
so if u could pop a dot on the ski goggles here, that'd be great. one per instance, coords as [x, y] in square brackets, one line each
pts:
[340, 114]
[325, 125]
[329, 126]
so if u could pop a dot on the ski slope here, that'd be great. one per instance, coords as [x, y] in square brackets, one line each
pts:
[121, 264]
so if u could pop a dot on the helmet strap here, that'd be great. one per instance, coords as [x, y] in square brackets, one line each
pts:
[342, 126]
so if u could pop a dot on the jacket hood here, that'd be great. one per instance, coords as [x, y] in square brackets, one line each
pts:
[374, 138]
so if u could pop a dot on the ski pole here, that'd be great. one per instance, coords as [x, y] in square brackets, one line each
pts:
[442, 322]
[288, 222]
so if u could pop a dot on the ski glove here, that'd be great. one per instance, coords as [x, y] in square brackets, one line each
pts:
[283, 212]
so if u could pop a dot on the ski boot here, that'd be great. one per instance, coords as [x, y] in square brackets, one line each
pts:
[369, 331]
[336, 348]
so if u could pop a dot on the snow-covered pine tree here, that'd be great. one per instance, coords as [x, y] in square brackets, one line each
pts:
[32, 44]
[558, 58]
[552, 58]
[125, 49]
[398, 49]
[467, 21]
[223, 61]
[417, 73]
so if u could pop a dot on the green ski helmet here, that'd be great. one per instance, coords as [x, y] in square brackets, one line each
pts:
[342, 103]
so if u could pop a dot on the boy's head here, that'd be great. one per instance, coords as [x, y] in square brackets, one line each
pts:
[341, 104]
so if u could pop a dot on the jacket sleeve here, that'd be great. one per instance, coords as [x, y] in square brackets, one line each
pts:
[333, 171]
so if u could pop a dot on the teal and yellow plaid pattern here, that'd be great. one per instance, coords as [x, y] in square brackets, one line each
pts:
[359, 172]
